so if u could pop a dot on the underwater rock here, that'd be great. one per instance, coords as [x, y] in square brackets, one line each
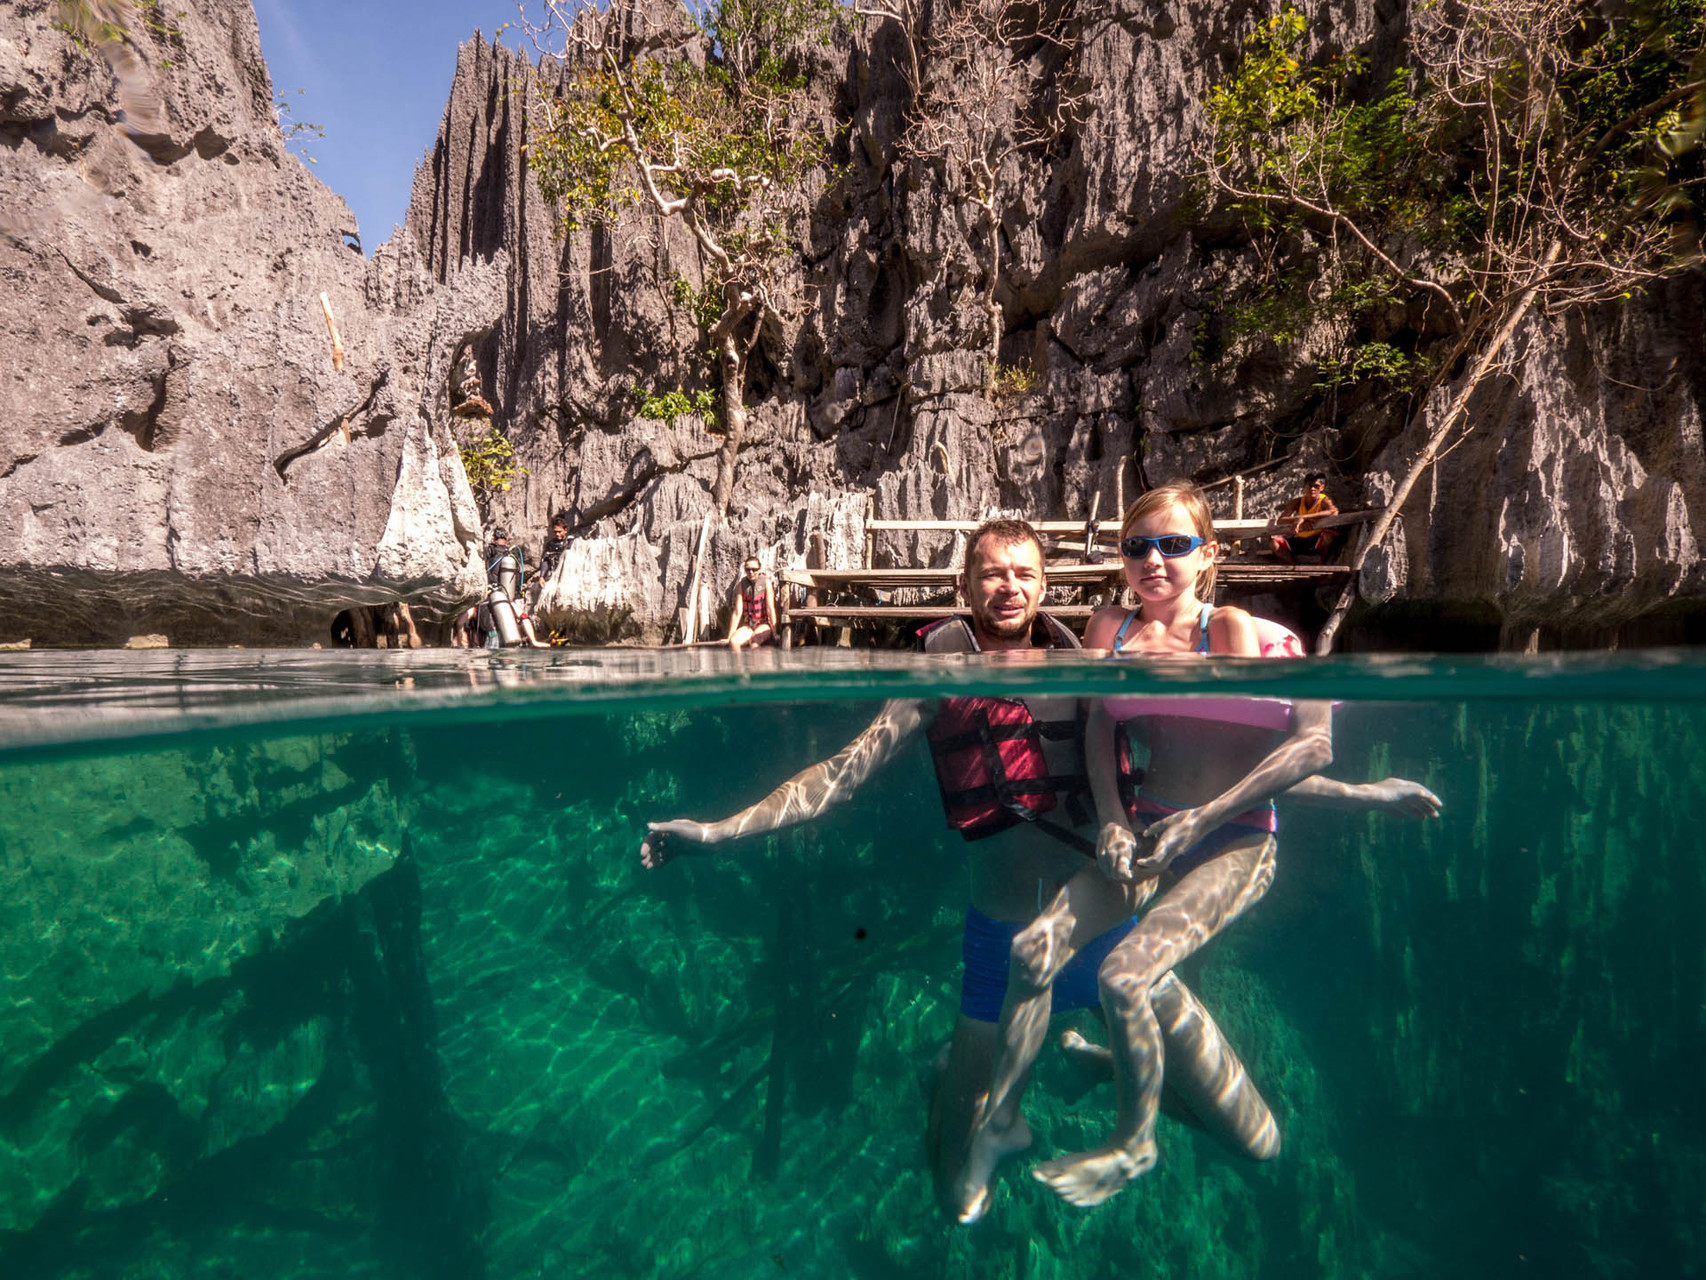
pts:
[214, 982]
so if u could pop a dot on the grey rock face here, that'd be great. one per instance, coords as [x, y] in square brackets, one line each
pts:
[180, 454]
[1571, 505]
[174, 455]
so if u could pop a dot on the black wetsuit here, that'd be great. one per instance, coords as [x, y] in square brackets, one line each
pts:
[552, 554]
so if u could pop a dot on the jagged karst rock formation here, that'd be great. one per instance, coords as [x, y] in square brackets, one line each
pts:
[1570, 508]
[180, 453]
[174, 459]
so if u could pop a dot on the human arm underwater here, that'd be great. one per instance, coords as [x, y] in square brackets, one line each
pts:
[1307, 750]
[1397, 796]
[803, 796]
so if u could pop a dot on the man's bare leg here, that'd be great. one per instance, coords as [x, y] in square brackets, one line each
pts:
[962, 1170]
[1087, 906]
[1203, 1068]
[1197, 908]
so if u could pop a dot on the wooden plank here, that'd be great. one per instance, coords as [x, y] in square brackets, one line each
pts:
[1107, 533]
[923, 612]
[847, 579]
[966, 526]
[1268, 528]
[1245, 568]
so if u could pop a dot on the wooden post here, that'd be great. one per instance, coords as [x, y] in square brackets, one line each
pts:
[870, 533]
[1091, 554]
[816, 554]
[337, 342]
[690, 632]
[1237, 497]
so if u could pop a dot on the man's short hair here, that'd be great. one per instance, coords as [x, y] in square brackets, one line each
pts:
[1312, 477]
[561, 518]
[1004, 532]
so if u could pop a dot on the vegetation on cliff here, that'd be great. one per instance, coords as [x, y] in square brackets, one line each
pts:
[988, 84]
[704, 120]
[1529, 156]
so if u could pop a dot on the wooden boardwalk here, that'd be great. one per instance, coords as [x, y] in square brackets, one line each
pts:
[1104, 576]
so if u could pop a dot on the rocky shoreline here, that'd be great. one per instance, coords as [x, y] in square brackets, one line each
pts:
[181, 455]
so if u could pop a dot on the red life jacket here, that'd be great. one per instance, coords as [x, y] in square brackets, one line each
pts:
[753, 603]
[993, 766]
[997, 765]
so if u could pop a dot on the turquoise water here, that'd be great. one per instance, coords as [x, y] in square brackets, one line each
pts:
[344, 965]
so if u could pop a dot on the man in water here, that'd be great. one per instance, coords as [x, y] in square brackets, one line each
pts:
[1300, 536]
[1025, 853]
[754, 620]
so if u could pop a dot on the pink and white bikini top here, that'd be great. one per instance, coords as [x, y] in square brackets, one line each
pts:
[1258, 713]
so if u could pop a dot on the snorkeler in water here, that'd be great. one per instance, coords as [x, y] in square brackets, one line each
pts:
[1029, 846]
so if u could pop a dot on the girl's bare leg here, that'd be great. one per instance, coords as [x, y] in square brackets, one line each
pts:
[1203, 1068]
[1087, 906]
[1197, 908]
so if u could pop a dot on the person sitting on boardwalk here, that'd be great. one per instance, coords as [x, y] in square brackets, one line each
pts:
[754, 620]
[1026, 817]
[1302, 536]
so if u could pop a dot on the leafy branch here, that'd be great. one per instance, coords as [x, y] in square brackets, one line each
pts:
[713, 129]
[1536, 154]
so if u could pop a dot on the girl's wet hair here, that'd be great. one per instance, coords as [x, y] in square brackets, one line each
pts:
[1191, 500]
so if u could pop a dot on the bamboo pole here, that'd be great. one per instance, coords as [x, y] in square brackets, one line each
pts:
[689, 632]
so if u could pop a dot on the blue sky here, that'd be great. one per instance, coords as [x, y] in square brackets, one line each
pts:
[375, 75]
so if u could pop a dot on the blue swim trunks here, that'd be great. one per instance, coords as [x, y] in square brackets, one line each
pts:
[987, 949]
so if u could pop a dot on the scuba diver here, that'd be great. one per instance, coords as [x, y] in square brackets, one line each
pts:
[1012, 778]
[549, 558]
[506, 572]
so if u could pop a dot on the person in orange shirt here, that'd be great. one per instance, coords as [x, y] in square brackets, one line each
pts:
[1314, 502]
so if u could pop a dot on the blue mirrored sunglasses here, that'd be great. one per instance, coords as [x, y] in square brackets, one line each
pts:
[1171, 545]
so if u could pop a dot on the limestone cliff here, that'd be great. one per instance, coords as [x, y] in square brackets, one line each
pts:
[180, 454]
[1570, 508]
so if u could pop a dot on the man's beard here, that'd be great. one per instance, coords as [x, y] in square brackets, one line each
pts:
[1002, 629]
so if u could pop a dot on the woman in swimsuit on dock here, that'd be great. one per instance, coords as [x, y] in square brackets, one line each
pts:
[1218, 762]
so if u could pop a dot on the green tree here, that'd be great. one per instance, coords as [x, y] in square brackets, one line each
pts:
[1535, 154]
[715, 131]
[489, 461]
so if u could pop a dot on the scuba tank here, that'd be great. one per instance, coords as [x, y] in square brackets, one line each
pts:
[503, 575]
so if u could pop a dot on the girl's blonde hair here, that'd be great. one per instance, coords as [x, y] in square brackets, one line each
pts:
[1191, 500]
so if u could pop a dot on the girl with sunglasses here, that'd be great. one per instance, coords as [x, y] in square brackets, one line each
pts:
[1202, 813]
